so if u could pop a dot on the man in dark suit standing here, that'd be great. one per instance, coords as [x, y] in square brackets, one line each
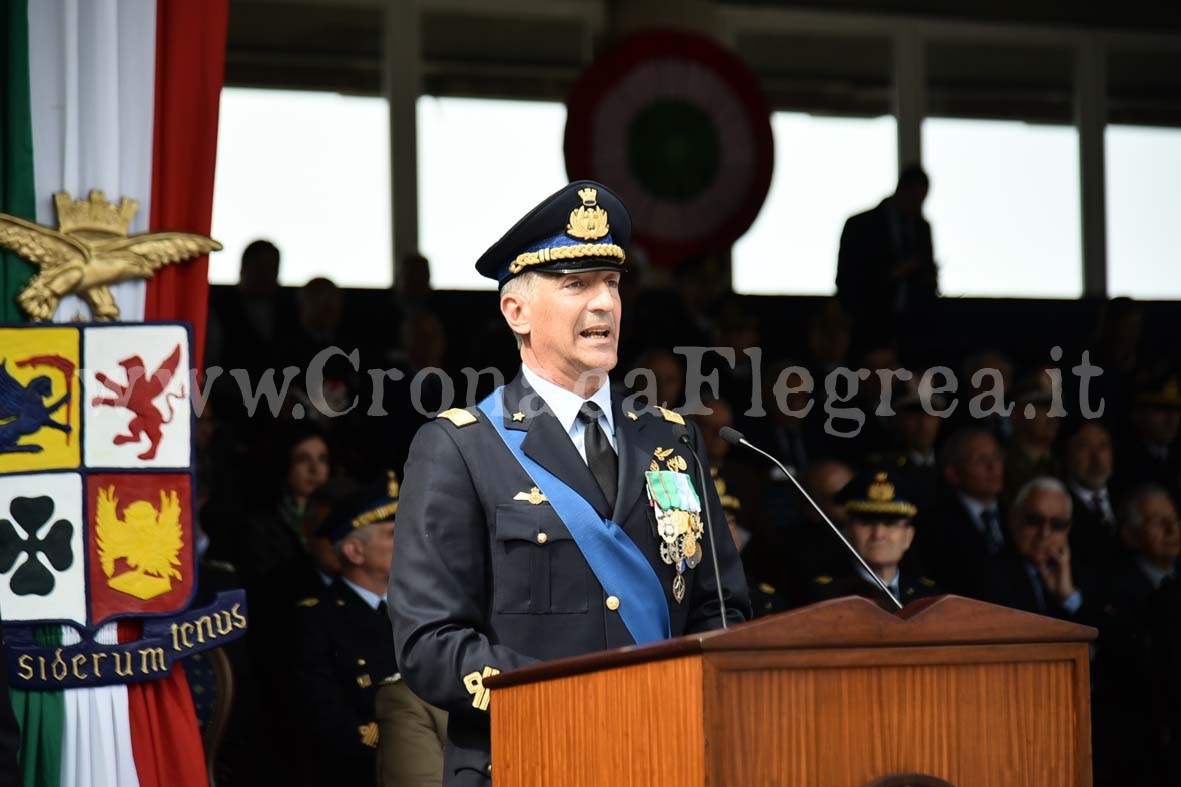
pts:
[886, 265]
[554, 518]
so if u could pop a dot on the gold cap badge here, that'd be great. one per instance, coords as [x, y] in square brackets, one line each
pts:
[588, 221]
[881, 490]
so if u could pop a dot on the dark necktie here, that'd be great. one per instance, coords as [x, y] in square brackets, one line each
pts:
[992, 531]
[383, 609]
[600, 456]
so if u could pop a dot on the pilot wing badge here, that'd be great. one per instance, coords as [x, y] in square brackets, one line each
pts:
[678, 521]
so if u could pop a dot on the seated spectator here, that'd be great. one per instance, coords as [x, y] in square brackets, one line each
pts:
[965, 529]
[345, 644]
[1036, 573]
[815, 549]
[668, 374]
[1087, 462]
[764, 599]
[1147, 456]
[1029, 452]
[981, 374]
[1149, 530]
[880, 527]
[1137, 663]
[913, 431]
[749, 485]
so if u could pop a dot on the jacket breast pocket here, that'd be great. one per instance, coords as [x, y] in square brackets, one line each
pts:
[537, 567]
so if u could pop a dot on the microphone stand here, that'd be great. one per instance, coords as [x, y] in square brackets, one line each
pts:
[734, 437]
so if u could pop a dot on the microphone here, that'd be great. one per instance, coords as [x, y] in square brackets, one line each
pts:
[682, 435]
[734, 437]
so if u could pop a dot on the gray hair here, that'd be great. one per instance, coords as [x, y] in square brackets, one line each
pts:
[364, 534]
[1043, 483]
[1130, 516]
[524, 286]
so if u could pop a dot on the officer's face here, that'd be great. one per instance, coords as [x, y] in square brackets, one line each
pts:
[1158, 537]
[373, 551]
[882, 541]
[573, 327]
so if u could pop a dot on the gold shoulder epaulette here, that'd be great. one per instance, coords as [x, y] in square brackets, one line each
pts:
[308, 602]
[928, 582]
[458, 417]
[765, 588]
[823, 579]
[672, 416]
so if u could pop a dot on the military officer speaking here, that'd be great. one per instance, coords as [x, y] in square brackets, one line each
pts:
[551, 519]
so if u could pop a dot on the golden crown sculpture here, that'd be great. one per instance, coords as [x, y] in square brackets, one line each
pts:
[90, 251]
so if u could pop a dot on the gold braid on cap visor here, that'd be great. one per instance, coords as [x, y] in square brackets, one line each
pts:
[557, 253]
[898, 509]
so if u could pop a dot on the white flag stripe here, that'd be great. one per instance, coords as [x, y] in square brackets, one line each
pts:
[96, 739]
[92, 70]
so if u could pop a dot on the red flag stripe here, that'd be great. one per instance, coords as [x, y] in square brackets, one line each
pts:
[190, 70]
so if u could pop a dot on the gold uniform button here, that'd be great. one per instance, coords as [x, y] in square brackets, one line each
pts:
[612, 603]
[360, 662]
[542, 538]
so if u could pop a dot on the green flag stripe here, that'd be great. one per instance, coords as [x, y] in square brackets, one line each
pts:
[41, 714]
[17, 194]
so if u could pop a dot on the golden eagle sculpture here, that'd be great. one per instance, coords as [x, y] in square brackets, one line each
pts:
[90, 251]
[149, 539]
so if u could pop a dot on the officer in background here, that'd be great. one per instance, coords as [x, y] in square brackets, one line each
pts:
[345, 645]
[881, 528]
[555, 518]
[764, 598]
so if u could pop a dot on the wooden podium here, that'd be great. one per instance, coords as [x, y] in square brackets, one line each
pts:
[838, 694]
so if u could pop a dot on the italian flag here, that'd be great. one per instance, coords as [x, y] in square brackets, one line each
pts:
[121, 96]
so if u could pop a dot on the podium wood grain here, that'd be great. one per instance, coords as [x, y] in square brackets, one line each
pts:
[747, 707]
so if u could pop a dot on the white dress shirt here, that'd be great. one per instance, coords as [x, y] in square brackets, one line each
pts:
[566, 404]
[368, 596]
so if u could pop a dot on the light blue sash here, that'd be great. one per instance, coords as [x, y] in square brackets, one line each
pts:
[618, 563]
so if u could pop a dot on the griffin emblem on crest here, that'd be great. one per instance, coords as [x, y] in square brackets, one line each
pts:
[147, 538]
[90, 251]
[138, 396]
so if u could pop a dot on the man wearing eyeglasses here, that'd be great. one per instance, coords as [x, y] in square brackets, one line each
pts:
[1036, 573]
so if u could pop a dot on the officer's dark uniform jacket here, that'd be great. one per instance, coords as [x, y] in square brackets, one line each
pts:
[485, 578]
[910, 588]
[345, 650]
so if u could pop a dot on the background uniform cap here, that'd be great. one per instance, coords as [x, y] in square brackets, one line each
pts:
[877, 492]
[582, 227]
[370, 505]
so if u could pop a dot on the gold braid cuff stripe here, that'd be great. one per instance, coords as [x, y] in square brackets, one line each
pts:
[564, 253]
[899, 509]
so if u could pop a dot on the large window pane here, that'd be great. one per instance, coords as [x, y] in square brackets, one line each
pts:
[309, 172]
[826, 169]
[482, 164]
[1143, 211]
[1004, 207]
